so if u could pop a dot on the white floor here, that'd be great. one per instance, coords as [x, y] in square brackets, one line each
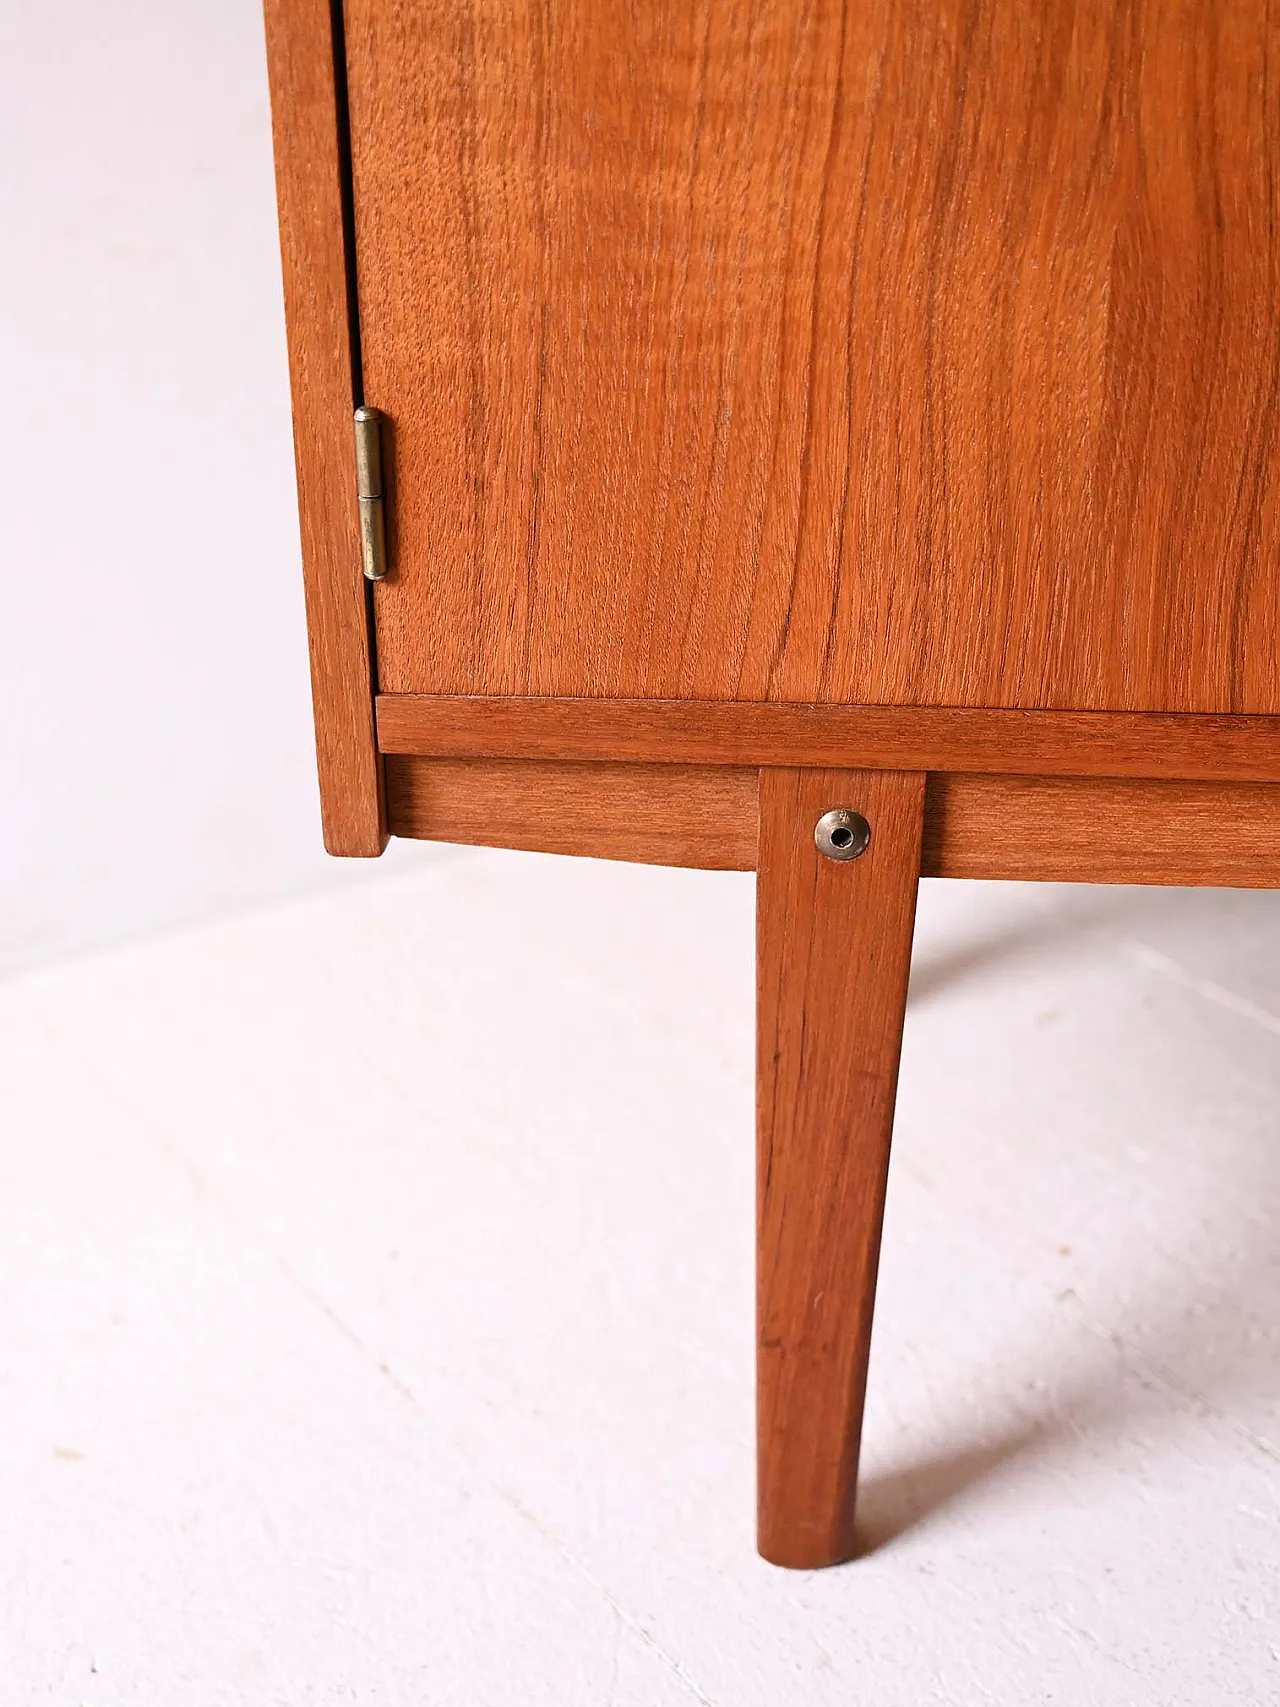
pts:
[375, 1308]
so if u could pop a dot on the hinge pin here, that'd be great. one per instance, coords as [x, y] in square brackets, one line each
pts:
[373, 524]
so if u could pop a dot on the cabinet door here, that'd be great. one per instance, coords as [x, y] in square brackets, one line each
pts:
[885, 351]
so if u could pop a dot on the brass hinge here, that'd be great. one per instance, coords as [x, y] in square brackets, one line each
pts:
[369, 495]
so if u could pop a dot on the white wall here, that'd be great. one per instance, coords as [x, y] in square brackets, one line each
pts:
[155, 742]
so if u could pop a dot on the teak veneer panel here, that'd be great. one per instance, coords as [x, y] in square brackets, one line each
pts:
[703, 816]
[1105, 830]
[1101, 830]
[309, 127]
[793, 350]
[1216, 749]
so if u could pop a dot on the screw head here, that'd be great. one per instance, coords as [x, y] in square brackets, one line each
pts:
[842, 833]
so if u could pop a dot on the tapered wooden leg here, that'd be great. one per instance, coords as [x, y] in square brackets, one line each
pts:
[833, 943]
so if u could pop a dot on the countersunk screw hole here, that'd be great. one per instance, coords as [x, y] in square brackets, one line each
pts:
[842, 833]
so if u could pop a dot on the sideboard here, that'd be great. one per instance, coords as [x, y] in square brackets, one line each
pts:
[836, 441]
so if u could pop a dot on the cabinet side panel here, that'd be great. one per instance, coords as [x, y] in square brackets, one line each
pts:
[800, 351]
[306, 124]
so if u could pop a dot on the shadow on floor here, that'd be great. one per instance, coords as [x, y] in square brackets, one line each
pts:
[889, 1506]
[1177, 1321]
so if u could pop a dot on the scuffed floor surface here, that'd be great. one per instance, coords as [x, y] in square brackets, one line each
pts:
[375, 1309]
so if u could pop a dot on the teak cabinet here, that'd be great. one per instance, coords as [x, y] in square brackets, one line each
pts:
[787, 406]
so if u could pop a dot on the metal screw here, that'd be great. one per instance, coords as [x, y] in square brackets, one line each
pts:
[842, 833]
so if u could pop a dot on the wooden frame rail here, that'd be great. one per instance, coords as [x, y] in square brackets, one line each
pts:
[1056, 829]
[1184, 747]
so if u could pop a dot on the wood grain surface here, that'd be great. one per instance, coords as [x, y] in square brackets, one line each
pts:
[308, 125]
[1102, 830]
[702, 816]
[1048, 829]
[901, 353]
[1214, 748]
[833, 954]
